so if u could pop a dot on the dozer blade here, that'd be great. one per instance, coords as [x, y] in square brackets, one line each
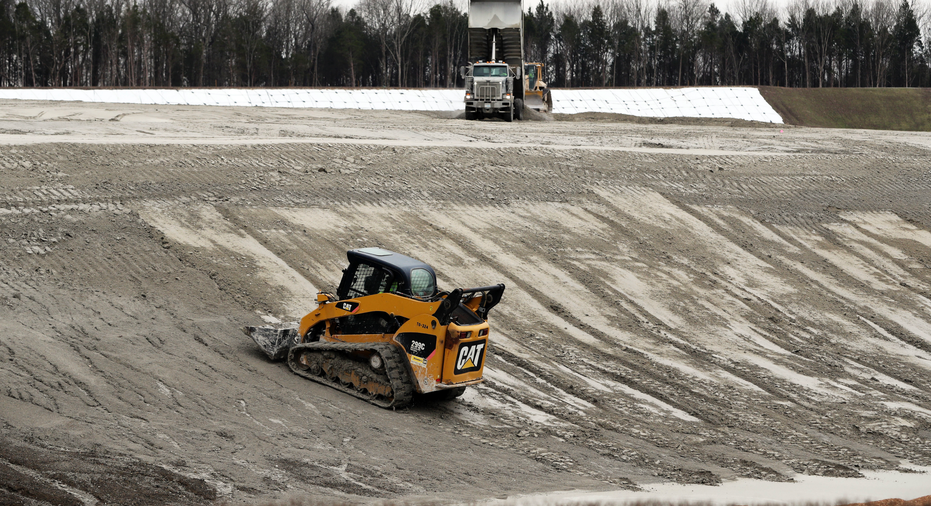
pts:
[536, 103]
[275, 341]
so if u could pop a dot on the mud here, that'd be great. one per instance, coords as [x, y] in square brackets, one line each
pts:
[691, 303]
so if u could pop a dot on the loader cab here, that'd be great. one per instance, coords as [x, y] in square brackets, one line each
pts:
[533, 77]
[376, 270]
[530, 73]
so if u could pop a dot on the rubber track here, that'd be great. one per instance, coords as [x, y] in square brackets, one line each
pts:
[396, 368]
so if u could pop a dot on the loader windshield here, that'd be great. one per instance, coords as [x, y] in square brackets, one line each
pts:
[422, 283]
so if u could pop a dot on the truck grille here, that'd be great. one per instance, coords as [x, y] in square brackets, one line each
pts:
[489, 91]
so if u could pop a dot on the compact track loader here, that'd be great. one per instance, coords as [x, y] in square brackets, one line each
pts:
[388, 332]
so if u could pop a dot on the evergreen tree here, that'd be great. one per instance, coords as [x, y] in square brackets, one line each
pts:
[907, 37]
[403, 42]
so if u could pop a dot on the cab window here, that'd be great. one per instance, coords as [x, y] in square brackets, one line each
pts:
[490, 71]
[368, 280]
[422, 283]
[531, 72]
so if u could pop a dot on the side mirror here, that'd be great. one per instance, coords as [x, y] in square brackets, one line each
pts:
[463, 71]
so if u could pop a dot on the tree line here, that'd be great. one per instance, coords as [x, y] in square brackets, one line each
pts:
[411, 43]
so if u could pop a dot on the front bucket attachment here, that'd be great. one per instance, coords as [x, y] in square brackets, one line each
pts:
[539, 101]
[275, 341]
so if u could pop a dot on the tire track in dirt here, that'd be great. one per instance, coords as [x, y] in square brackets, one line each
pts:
[641, 338]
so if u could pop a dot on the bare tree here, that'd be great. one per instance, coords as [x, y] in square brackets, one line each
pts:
[377, 16]
[165, 18]
[283, 27]
[52, 14]
[796, 22]
[568, 40]
[401, 14]
[825, 25]
[746, 9]
[203, 18]
[315, 30]
[640, 14]
[391, 22]
[882, 18]
[614, 15]
[251, 21]
[687, 16]
[456, 31]
[586, 42]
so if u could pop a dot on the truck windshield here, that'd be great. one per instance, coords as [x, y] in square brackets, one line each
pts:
[490, 71]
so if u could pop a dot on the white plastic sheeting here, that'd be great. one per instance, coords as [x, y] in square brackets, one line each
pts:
[740, 103]
[381, 99]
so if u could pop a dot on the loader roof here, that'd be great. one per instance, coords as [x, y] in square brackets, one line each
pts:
[411, 276]
[386, 258]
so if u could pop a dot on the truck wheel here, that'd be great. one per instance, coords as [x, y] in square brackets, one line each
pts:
[519, 112]
[509, 116]
[469, 116]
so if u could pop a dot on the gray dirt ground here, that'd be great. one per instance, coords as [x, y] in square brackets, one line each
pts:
[687, 301]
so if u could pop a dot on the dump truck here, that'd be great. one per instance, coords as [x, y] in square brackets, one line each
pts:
[497, 80]
[388, 332]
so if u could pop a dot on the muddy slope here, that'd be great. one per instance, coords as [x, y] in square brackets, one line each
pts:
[874, 108]
[688, 303]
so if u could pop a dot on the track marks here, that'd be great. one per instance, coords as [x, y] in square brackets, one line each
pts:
[688, 316]
[203, 228]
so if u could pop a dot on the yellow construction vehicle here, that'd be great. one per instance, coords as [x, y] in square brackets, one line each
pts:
[536, 94]
[388, 332]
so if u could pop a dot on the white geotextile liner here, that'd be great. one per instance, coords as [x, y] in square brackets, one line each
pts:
[740, 103]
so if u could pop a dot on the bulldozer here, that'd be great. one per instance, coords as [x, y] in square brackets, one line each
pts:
[388, 333]
[536, 94]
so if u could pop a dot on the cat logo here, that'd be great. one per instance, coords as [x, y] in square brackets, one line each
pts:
[349, 306]
[470, 356]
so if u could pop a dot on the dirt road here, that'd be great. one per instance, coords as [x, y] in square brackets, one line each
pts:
[689, 302]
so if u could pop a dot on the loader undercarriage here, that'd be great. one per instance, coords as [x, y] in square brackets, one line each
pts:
[350, 367]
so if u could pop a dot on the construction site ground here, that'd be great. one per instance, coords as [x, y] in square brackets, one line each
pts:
[691, 302]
